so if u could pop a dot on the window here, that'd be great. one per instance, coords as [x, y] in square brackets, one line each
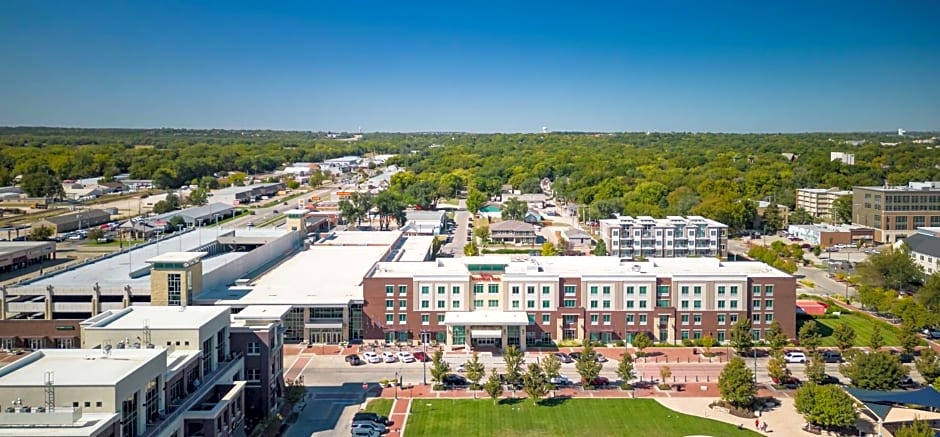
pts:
[425, 304]
[546, 289]
[569, 290]
[477, 288]
[721, 319]
[662, 303]
[425, 289]
[593, 304]
[684, 334]
[630, 290]
[174, 289]
[642, 319]
[768, 318]
[530, 289]
[697, 334]
[756, 290]
[769, 304]
[734, 290]
[389, 289]
[684, 304]
[606, 304]
[441, 304]
[755, 304]
[642, 289]
[455, 290]
[425, 319]
[403, 304]
[593, 319]
[253, 374]
[721, 290]
[721, 335]
[493, 288]
[493, 303]
[755, 318]
[734, 304]
[402, 290]
[515, 304]
[685, 289]
[697, 319]
[662, 290]
[569, 303]
[402, 319]
[98, 404]
[697, 304]
[606, 319]
[389, 303]
[733, 318]
[530, 304]
[514, 289]
[546, 304]
[721, 304]
[389, 318]
[629, 319]
[440, 318]
[768, 290]
[531, 318]
[629, 304]
[685, 319]
[606, 289]
[697, 289]
[455, 304]
[546, 319]
[441, 290]
[642, 304]
[254, 348]
[593, 289]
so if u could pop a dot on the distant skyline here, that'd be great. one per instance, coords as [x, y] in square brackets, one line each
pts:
[723, 66]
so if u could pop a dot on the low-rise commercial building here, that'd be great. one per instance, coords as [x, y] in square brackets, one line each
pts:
[73, 221]
[15, 255]
[673, 236]
[895, 212]
[829, 235]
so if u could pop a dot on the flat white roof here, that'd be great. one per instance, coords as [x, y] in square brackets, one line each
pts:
[156, 317]
[515, 318]
[262, 312]
[415, 248]
[177, 257]
[87, 424]
[360, 238]
[77, 367]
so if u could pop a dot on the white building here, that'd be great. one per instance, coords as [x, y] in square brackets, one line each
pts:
[673, 236]
[818, 201]
[425, 222]
[846, 158]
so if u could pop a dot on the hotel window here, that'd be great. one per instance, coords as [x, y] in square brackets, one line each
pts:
[403, 304]
[606, 304]
[696, 334]
[685, 289]
[768, 318]
[697, 289]
[684, 334]
[530, 304]
[425, 319]
[546, 319]
[441, 304]
[441, 290]
[697, 319]
[477, 288]
[455, 290]
[734, 290]
[515, 289]
[755, 318]
[662, 303]
[253, 374]
[389, 289]
[768, 290]
[721, 290]
[402, 319]
[455, 304]
[593, 289]
[515, 304]
[425, 304]
[569, 303]
[389, 303]
[546, 304]
[685, 319]
[662, 290]
[630, 290]
[530, 289]
[569, 289]
[402, 290]
[605, 289]
[478, 303]
[593, 319]
[629, 319]
[721, 335]
[684, 304]
[493, 288]
[493, 303]
[755, 290]
[389, 318]
[697, 304]
[734, 304]
[721, 319]
[755, 304]
[425, 289]
[440, 318]
[642, 319]
[531, 318]
[733, 318]
[629, 304]
[769, 304]
[606, 319]
[593, 304]
[546, 290]
[642, 289]
[721, 304]
[642, 304]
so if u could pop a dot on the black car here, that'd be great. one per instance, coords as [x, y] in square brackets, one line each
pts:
[517, 385]
[575, 355]
[563, 357]
[829, 379]
[454, 380]
[354, 360]
[363, 416]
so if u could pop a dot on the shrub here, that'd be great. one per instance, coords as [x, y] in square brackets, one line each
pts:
[640, 354]
[439, 387]
[626, 386]
[619, 343]
[664, 387]
[686, 342]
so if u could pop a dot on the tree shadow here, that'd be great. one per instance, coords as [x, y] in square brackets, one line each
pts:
[511, 401]
[554, 402]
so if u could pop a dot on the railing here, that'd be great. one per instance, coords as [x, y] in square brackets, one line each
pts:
[208, 384]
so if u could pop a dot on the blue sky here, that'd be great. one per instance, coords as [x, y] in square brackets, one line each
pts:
[735, 66]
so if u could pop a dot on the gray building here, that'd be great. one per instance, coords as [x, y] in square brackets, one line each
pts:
[673, 236]
[74, 221]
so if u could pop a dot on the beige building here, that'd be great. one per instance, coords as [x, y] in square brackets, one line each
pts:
[896, 212]
[818, 201]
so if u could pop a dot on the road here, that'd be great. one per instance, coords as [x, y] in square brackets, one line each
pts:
[462, 217]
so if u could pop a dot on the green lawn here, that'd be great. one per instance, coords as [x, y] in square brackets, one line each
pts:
[561, 417]
[380, 406]
[862, 326]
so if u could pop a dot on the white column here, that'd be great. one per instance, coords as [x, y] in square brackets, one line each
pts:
[522, 338]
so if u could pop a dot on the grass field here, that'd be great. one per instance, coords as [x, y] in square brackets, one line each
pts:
[380, 406]
[862, 326]
[559, 417]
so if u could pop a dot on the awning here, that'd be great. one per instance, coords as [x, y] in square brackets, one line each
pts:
[486, 333]
[323, 325]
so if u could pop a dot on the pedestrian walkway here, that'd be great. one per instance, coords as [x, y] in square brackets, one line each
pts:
[399, 417]
[297, 368]
[783, 419]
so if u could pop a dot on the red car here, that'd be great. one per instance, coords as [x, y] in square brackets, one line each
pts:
[600, 381]
[421, 357]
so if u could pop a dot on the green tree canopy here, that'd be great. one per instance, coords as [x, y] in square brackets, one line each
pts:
[826, 405]
[736, 383]
[874, 371]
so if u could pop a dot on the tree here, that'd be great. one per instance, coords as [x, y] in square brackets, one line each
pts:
[917, 428]
[892, 269]
[475, 371]
[707, 343]
[642, 341]
[483, 233]
[625, 370]
[471, 249]
[826, 405]
[475, 200]
[551, 366]
[844, 336]
[389, 205]
[741, 339]
[94, 234]
[514, 209]
[736, 383]
[842, 209]
[664, 373]
[535, 383]
[600, 248]
[874, 371]
[777, 368]
[198, 197]
[929, 294]
[493, 386]
[513, 359]
[588, 366]
[928, 364]
[548, 249]
[41, 183]
[815, 368]
[776, 337]
[439, 367]
[40, 233]
[175, 222]
[908, 338]
[809, 336]
[772, 219]
[876, 340]
[800, 217]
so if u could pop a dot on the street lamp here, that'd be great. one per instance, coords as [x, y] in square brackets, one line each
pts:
[755, 365]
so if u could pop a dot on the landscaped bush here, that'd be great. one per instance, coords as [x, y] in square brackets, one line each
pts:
[626, 386]
[619, 343]
[640, 354]
[665, 387]
[439, 387]
[687, 342]
[569, 343]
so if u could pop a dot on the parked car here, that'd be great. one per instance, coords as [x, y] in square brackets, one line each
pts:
[601, 358]
[504, 381]
[563, 357]
[907, 382]
[454, 380]
[406, 357]
[903, 357]
[389, 357]
[373, 417]
[932, 333]
[460, 368]
[829, 379]
[832, 357]
[368, 424]
[421, 357]
[354, 360]
[575, 356]
[560, 380]
[794, 357]
[600, 381]
[361, 432]
[371, 357]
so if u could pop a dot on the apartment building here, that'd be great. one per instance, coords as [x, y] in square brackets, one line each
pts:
[924, 247]
[673, 236]
[504, 300]
[895, 212]
[818, 201]
[257, 334]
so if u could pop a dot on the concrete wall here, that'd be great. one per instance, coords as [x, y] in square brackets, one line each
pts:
[226, 275]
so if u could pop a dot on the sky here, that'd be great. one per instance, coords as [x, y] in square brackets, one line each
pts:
[480, 66]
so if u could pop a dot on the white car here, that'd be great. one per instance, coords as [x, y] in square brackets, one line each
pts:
[371, 357]
[600, 358]
[389, 357]
[560, 380]
[406, 357]
[794, 357]
[460, 368]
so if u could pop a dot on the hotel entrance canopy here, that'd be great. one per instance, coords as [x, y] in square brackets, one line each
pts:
[486, 333]
[486, 318]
